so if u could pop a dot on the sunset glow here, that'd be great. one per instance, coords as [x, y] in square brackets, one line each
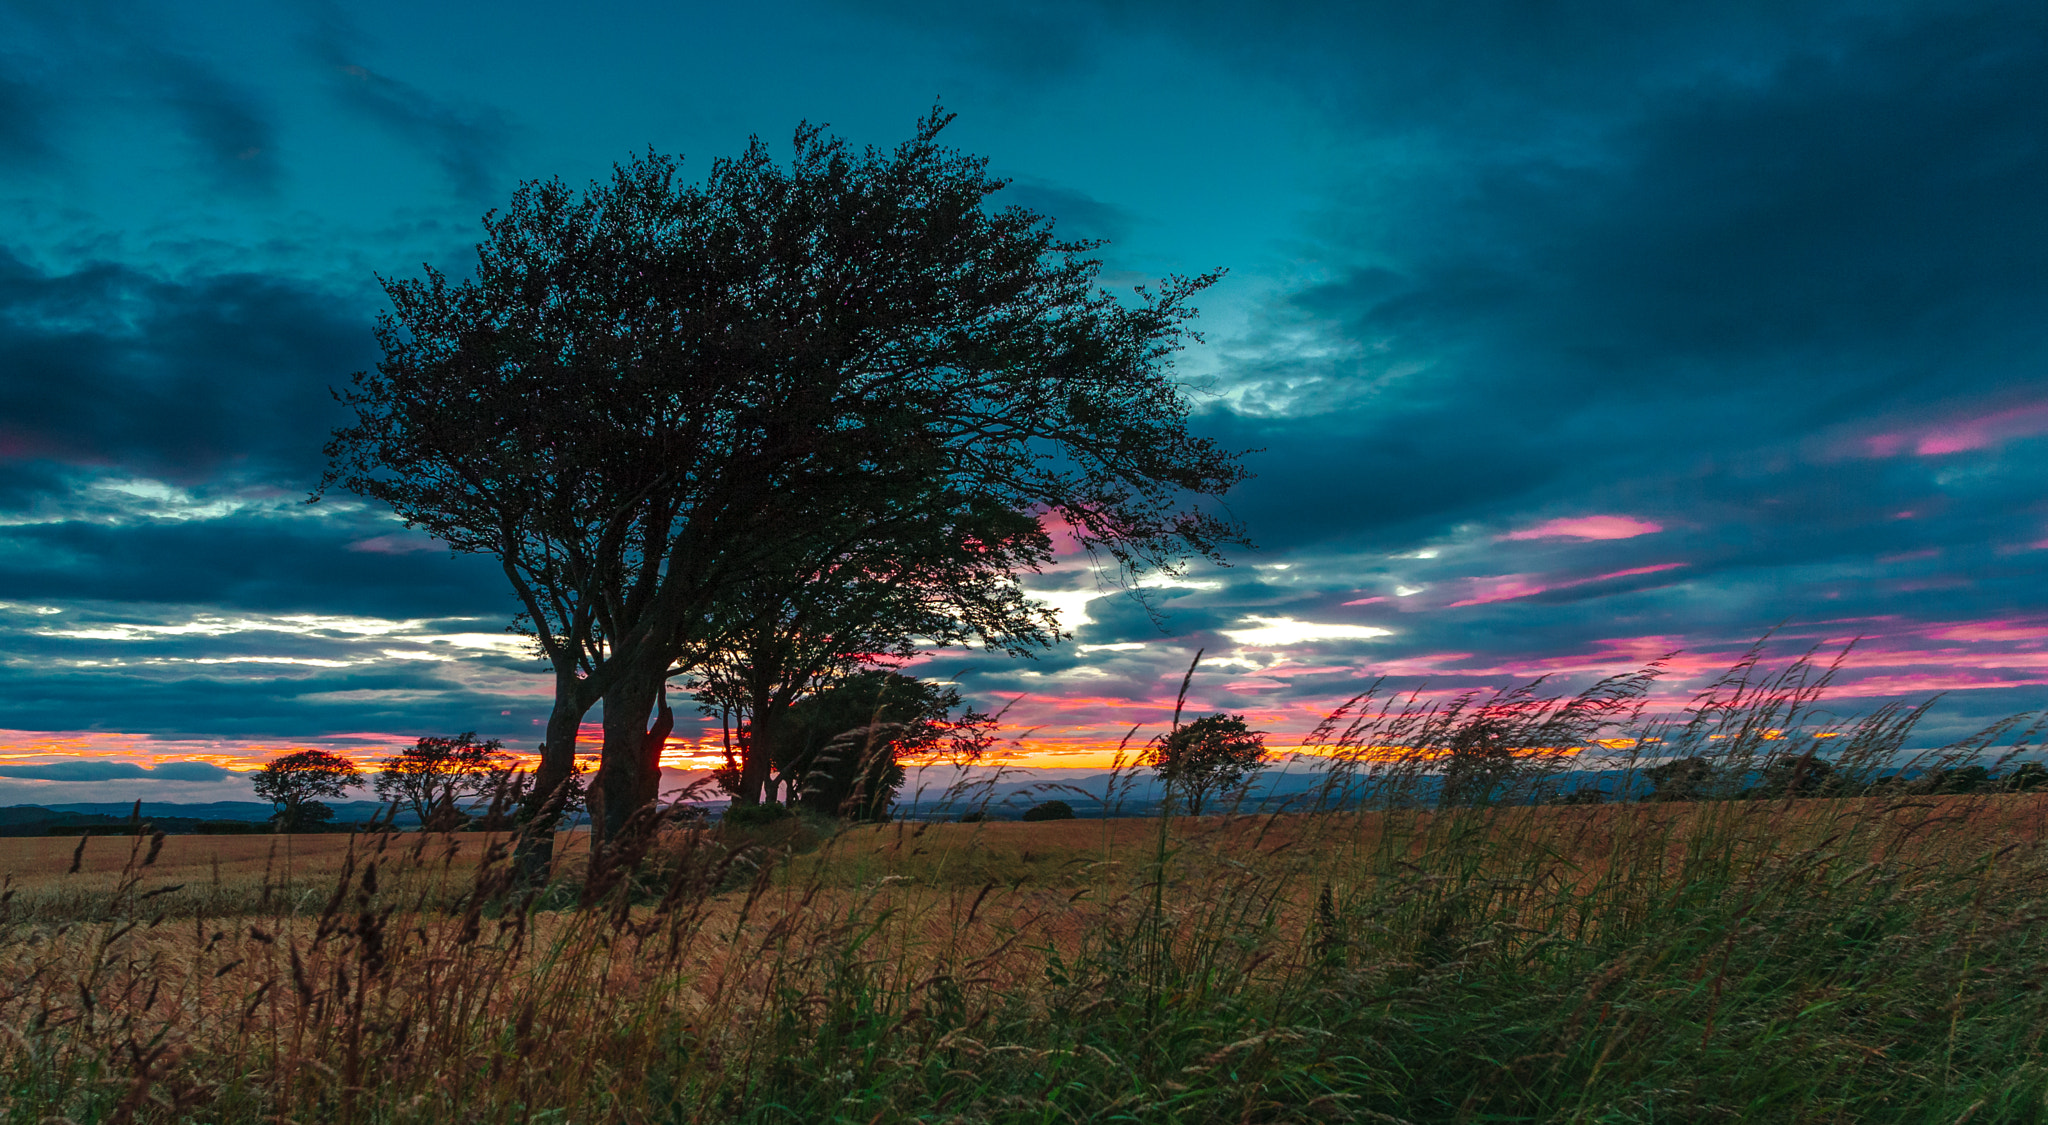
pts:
[1727, 332]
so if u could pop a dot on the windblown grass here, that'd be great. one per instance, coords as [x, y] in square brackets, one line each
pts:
[1879, 957]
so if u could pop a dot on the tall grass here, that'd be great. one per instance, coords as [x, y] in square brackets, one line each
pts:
[1432, 945]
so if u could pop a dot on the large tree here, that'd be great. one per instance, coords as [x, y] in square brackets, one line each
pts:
[652, 390]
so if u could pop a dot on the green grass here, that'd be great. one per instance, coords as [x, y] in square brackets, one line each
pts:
[1874, 958]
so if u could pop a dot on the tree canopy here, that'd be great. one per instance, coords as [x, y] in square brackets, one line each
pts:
[296, 782]
[654, 391]
[437, 778]
[944, 579]
[1211, 755]
[843, 748]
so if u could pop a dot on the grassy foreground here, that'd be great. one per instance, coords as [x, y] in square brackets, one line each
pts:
[1871, 959]
[1436, 946]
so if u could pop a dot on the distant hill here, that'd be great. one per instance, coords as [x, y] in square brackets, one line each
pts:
[163, 816]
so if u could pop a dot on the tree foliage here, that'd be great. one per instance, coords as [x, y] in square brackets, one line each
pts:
[296, 782]
[437, 778]
[945, 580]
[843, 748]
[1213, 754]
[1682, 779]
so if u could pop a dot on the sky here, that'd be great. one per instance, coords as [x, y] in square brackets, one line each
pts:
[1566, 337]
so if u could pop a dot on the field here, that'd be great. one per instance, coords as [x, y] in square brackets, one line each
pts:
[1867, 959]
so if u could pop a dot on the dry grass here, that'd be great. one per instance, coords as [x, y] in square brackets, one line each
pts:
[1872, 958]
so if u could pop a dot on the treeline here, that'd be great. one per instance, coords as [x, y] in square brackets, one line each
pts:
[1698, 779]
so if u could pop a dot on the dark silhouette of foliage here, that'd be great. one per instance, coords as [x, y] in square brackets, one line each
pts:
[946, 579]
[1049, 810]
[1213, 754]
[653, 391]
[295, 782]
[438, 778]
[845, 746]
[1796, 775]
[1682, 779]
[2027, 776]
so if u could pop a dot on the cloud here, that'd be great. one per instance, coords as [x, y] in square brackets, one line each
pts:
[232, 136]
[24, 123]
[1075, 214]
[209, 373]
[468, 142]
[1587, 527]
[1279, 632]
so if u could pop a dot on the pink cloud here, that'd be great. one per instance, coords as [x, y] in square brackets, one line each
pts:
[1992, 631]
[1991, 429]
[1508, 587]
[396, 543]
[1588, 527]
[1962, 434]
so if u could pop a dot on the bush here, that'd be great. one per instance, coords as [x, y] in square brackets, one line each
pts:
[975, 817]
[232, 827]
[1050, 810]
[749, 816]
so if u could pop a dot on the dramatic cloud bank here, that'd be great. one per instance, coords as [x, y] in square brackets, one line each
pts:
[1568, 339]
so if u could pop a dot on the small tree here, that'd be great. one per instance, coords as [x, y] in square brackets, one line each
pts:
[435, 777]
[1048, 810]
[295, 782]
[1796, 775]
[1681, 779]
[845, 746]
[2026, 777]
[1214, 754]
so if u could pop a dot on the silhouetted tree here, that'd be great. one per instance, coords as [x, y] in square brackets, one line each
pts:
[1796, 775]
[1682, 779]
[843, 748]
[942, 580]
[437, 777]
[1214, 754]
[1049, 810]
[2027, 776]
[652, 391]
[295, 782]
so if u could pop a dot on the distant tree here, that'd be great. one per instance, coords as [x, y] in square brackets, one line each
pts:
[1681, 779]
[1214, 754]
[438, 777]
[844, 747]
[654, 389]
[1796, 775]
[1963, 779]
[295, 782]
[2027, 776]
[1049, 810]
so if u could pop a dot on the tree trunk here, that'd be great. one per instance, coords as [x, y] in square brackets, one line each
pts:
[764, 727]
[548, 798]
[627, 776]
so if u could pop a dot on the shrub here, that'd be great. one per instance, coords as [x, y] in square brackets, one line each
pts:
[749, 816]
[231, 827]
[1050, 810]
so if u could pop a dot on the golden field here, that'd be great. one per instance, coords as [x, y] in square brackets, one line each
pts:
[1798, 960]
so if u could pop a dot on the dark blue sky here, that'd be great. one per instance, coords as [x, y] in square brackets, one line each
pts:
[1571, 335]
